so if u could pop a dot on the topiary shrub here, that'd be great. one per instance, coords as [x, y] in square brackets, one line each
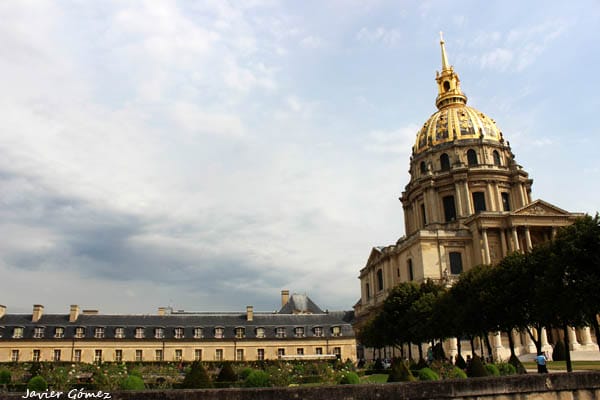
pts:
[400, 373]
[427, 374]
[227, 376]
[456, 373]
[350, 378]
[37, 383]
[506, 369]
[476, 368]
[515, 362]
[5, 377]
[559, 353]
[245, 372]
[460, 362]
[132, 382]
[196, 378]
[257, 378]
[492, 370]
[378, 365]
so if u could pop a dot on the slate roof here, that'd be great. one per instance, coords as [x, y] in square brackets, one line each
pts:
[300, 304]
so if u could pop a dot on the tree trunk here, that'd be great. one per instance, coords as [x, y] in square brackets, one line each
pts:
[567, 348]
[420, 351]
[511, 343]
[489, 347]
[410, 357]
[458, 346]
[538, 341]
[472, 341]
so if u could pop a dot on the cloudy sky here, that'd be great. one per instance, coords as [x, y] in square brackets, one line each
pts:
[207, 154]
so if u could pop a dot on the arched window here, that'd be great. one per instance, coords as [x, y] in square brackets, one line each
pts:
[411, 275]
[445, 162]
[423, 167]
[472, 157]
[497, 161]
[379, 280]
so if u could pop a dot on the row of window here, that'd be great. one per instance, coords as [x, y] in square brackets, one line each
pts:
[472, 160]
[159, 333]
[159, 354]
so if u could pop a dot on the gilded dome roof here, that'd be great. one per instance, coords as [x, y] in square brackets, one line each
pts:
[456, 122]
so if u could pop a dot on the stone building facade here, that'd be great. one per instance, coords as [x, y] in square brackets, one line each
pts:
[468, 202]
[299, 330]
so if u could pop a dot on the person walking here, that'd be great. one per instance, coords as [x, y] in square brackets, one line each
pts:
[541, 360]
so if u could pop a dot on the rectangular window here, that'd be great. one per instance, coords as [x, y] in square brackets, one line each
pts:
[319, 350]
[179, 333]
[449, 208]
[38, 332]
[423, 215]
[198, 333]
[299, 331]
[260, 333]
[260, 354]
[338, 352]
[158, 355]
[97, 356]
[240, 333]
[219, 333]
[505, 201]
[280, 333]
[79, 332]
[219, 355]
[59, 333]
[300, 351]
[36, 356]
[479, 201]
[139, 355]
[77, 355]
[14, 356]
[368, 290]
[99, 333]
[280, 352]
[239, 355]
[56, 356]
[178, 355]
[455, 263]
[119, 333]
[198, 355]
[118, 355]
[159, 333]
[139, 333]
[336, 331]
[17, 333]
[318, 330]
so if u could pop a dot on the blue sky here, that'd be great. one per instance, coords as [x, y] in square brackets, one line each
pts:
[206, 155]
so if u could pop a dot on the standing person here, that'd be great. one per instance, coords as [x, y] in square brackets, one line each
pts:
[541, 363]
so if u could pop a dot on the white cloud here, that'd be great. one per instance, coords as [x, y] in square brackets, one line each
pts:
[398, 141]
[385, 36]
[311, 42]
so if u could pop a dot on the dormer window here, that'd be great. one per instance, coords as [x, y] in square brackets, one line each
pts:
[159, 333]
[336, 331]
[38, 332]
[318, 331]
[99, 333]
[179, 333]
[219, 333]
[17, 333]
[299, 331]
[260, 333]
[240, 333]
[59, 332]
[79, 332]
[119, 333]
[198, 333]
[139, 333]
[280, 332]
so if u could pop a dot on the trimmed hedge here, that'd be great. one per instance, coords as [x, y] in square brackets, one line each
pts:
[427, 374]
[350, 378]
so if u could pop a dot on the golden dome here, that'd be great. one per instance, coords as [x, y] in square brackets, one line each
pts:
[453, 123]
[454, 120]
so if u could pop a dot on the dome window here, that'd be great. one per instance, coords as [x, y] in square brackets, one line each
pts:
[446, 86]
[472, 157]
[445, 162]
[423, 167]
[497, 161]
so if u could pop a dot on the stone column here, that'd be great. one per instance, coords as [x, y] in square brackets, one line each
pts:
[573, 339]
[530, 345]
[452, 346]
[586, 337]
[469, 199]
[515, 239]
[503, 243]
[486, 248]
[528, 239]
[545, 345]
[491, 197]
[517, 340]
[522, 194]
[459, 207]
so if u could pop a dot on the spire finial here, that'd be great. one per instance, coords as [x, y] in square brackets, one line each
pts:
[445, 64]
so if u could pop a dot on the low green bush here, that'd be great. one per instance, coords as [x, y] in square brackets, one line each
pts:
[492, 370]
[456, 373]
[132, 382]
[257, 378]
[5, 377]
[37, 383]
[245, 372]
[476, 368]
[427, 374]
[400, 373]
[506, 369]
[350, 378]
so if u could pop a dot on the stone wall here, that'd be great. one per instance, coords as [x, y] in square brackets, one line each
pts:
[555, 386]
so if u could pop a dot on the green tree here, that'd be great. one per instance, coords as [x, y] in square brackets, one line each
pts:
[196, 378]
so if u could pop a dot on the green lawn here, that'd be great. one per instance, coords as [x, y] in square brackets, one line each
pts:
[561, 365]
[375, 378]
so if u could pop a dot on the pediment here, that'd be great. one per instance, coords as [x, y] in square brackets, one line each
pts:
[375, 254]
[540, 207]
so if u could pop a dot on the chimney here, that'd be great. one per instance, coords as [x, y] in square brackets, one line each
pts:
[285, 297]
[38, 311]
[162, 311]
[249, 313]
[2, 311]
[74, 313]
